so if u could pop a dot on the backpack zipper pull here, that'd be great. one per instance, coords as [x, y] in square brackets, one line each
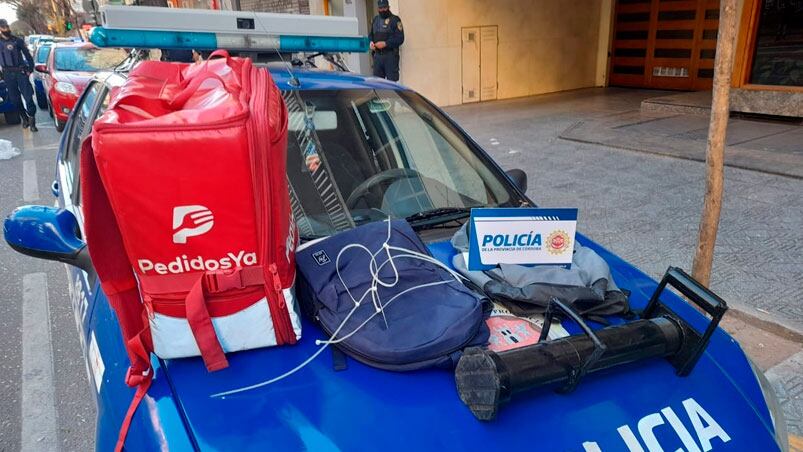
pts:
[277, 282]
[284, 326]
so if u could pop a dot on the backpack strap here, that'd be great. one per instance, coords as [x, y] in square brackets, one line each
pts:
[202, 328]
[106, 248]
[139, 378]
[214, 281]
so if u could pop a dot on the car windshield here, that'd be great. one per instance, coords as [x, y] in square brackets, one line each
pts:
[87, 59]
[42, 53]
[356, 156]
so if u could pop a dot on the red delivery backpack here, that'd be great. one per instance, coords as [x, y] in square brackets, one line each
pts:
[187, 213]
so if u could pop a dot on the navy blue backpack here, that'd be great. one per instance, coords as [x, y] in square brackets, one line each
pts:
[421, 327]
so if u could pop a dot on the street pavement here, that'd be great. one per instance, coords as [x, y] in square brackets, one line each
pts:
[645, 206]
[26, 179]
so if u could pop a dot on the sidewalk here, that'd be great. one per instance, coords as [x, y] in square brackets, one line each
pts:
[787, 381]
[677, 125]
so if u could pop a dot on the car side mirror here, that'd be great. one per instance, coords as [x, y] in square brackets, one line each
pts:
[519, 177]
[40, 68]
[47, 233]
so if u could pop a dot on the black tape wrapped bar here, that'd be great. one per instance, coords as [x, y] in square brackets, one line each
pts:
[486, 380]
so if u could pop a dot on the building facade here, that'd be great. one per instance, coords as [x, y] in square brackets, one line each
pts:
[672, 45]
[462, 51]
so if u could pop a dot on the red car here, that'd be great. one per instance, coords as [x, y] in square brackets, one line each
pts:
[68, 70]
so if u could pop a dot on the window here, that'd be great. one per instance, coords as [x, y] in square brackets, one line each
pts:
[356, 156]
[87, 59]
[42, 53]
[778, 58]
[84, 114]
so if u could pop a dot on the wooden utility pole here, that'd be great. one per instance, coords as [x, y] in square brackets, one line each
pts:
[715, 151]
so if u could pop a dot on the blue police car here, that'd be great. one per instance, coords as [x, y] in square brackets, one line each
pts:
[368, 127]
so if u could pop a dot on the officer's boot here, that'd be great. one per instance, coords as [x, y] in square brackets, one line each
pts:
[25, 120]
[33, 124]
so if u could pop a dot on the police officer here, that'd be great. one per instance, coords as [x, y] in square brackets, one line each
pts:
[15, 73]
[387, 35]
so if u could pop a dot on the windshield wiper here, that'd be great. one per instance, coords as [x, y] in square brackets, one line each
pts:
[453, 213]
[309, 238]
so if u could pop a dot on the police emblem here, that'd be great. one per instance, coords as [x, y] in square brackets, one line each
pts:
[387, 21]
[558, 242]
[10, 46]
[400, 26]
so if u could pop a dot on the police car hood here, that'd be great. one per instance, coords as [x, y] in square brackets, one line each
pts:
[636, 407]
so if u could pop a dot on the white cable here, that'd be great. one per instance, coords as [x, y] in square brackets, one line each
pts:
[293, 370]
[332, 340]
[430, 259]
[374, 269]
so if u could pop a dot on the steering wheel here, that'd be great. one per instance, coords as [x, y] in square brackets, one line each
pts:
[363, 191]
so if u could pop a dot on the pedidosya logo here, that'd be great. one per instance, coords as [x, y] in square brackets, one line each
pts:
[511, 242]
[191, 221]
[184, 264]
[558, 242]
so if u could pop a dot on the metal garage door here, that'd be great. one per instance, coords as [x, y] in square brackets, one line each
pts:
[667, 44]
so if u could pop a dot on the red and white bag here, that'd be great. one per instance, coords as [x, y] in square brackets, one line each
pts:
[188, 219]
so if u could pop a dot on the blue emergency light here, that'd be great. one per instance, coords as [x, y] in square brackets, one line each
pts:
[151, 39]
[145, 27]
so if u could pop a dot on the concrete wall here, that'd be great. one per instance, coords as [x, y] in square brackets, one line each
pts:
[544, 45]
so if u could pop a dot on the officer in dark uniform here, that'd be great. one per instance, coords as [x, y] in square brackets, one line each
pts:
[387, 35]
[15, 73]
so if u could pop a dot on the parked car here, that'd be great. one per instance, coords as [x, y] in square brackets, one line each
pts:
[33, 40]
[40, 57]
[69, 68]
[44, 39]
[370, 127]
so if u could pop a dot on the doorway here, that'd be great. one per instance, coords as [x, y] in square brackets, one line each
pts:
[664, 44]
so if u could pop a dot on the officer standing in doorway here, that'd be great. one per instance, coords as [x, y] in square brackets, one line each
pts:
[387, 35]
[15, 73]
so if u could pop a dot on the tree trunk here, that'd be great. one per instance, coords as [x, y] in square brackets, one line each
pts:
[715, 152]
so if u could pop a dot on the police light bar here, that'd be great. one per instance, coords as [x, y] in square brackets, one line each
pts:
[167, 28]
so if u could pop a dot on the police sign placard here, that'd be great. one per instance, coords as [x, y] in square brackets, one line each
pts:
[527, 236]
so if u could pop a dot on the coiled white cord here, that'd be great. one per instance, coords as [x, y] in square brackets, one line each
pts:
[375, 269]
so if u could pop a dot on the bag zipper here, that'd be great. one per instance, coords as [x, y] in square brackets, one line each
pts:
[126, 128]
[282, 305]
[282, 324]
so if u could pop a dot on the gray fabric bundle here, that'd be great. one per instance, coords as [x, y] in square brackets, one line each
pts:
[587, 286]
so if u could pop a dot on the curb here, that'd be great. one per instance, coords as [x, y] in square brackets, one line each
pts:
[660, 153]
[766, 323]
